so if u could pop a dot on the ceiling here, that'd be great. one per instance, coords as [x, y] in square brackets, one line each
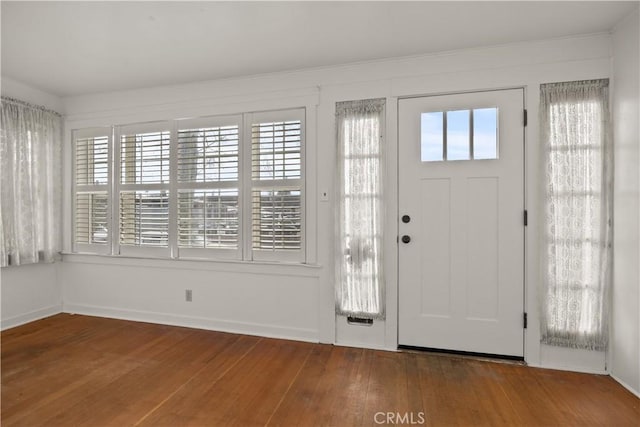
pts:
[73, 48]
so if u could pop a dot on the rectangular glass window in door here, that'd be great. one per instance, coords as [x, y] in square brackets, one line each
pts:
[470, 134]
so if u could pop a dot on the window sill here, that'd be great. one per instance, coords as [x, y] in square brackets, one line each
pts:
[231, 266]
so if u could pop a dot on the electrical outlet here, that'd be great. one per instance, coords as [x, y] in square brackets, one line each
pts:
[188, 295]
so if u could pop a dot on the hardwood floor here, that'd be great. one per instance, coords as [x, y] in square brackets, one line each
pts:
[86, 371]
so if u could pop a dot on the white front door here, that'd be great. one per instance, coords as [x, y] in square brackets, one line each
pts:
[461, 205]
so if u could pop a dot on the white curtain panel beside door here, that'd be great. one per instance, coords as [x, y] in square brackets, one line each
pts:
[576, 221]
[359, 211]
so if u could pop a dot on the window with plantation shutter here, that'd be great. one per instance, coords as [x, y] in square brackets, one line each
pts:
[91, 217]
[91, 195]
[276, 150]
[144, 158]
[208, 173]
[208, 219]
[144, 161]
[220, 187]
[277, 219]
[144, 218]
[277, 185]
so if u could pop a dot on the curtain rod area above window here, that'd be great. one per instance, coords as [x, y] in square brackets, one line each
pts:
[21, 103]
[578, 83]
[361, 106]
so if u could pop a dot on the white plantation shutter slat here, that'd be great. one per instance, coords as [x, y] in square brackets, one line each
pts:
[208, 219]
[276, 150]
[208, 154]
[143, 215]
[91, 217]
[276, 195]
[144, 158]
[92, 161]
[91, 178]
[144, 218]
[208, 215]
[276, 224]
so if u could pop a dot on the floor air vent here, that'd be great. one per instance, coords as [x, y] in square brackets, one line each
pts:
[359, 321]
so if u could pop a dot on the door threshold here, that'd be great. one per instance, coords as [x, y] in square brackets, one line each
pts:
[489, 357]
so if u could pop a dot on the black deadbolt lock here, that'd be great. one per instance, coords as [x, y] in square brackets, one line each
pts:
[406, 239]
[406, 218]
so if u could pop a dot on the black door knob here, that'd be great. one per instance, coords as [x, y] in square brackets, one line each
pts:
[406, 218]
[406, 239]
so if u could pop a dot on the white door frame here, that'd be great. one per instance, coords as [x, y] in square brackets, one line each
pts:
[394, 169]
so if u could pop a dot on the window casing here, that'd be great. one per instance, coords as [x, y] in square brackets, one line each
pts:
[223, 187]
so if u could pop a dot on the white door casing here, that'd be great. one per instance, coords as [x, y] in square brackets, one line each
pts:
[461, 276]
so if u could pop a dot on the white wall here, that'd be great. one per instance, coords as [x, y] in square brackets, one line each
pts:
[625, 341]
[29, 292]
[234, 297]
[304, 306]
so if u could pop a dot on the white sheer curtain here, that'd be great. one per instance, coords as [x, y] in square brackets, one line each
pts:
[359, 196]
[576, 234]
[30, 165]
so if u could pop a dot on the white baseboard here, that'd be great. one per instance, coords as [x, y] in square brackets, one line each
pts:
[570, 369]
[31, 316]
[625, 385]
[573, 359]
[268, 331]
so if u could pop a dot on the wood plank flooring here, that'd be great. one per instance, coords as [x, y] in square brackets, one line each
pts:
[86, 371]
